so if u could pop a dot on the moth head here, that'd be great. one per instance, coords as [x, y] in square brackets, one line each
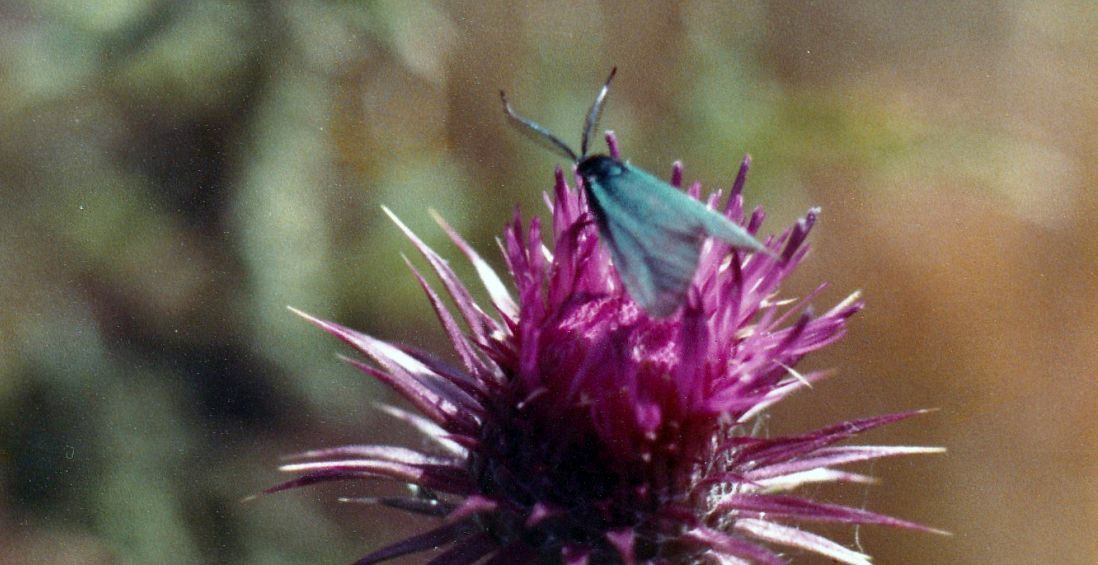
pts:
[600, 166]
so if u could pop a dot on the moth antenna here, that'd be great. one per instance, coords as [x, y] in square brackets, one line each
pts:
[536, 131]
[595, 113]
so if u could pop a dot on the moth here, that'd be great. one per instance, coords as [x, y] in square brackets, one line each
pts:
[654, 231]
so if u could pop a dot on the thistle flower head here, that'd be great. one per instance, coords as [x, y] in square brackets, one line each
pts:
[578, 429]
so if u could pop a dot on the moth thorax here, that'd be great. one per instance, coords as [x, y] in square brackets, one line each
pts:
[600, 167]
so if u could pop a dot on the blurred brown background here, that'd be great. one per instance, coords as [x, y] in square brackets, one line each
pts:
[174, 174]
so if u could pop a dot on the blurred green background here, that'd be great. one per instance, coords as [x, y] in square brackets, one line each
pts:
[174, 173]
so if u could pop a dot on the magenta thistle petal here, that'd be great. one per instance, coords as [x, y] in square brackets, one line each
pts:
[467, 551]
[575, 428]
[437, 537]
[443, 476]
[730, 546]
[472, 505]
[623, 540]
[317, 477]
[478, 321]
[388, 453]
[774, 506]
[793, 537]
[497, 290]
[465, 352]
[832, 456]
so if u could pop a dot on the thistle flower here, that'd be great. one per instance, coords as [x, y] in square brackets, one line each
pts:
[578, 429]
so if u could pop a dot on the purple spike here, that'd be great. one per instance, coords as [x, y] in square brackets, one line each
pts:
[317, 478]
[475, 504]
[623, 541]
[377, 452]
[442, 535]
[471, 384]
[405, 371]
[741, 177]
[478, 322]
[444, 477]
[833, 456]
[468, 356]
[541, 512]
[432, 431]
[794, 333]
[800, 232]
[467, 551]
[693, 346]
[795, 537]
[758, 215]
[435, 406]
[501, 298]
[732, 546]
[777, 450]
[563, 204]
[776, 506]
[575, 554]
[402, 382]
[612, 144]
